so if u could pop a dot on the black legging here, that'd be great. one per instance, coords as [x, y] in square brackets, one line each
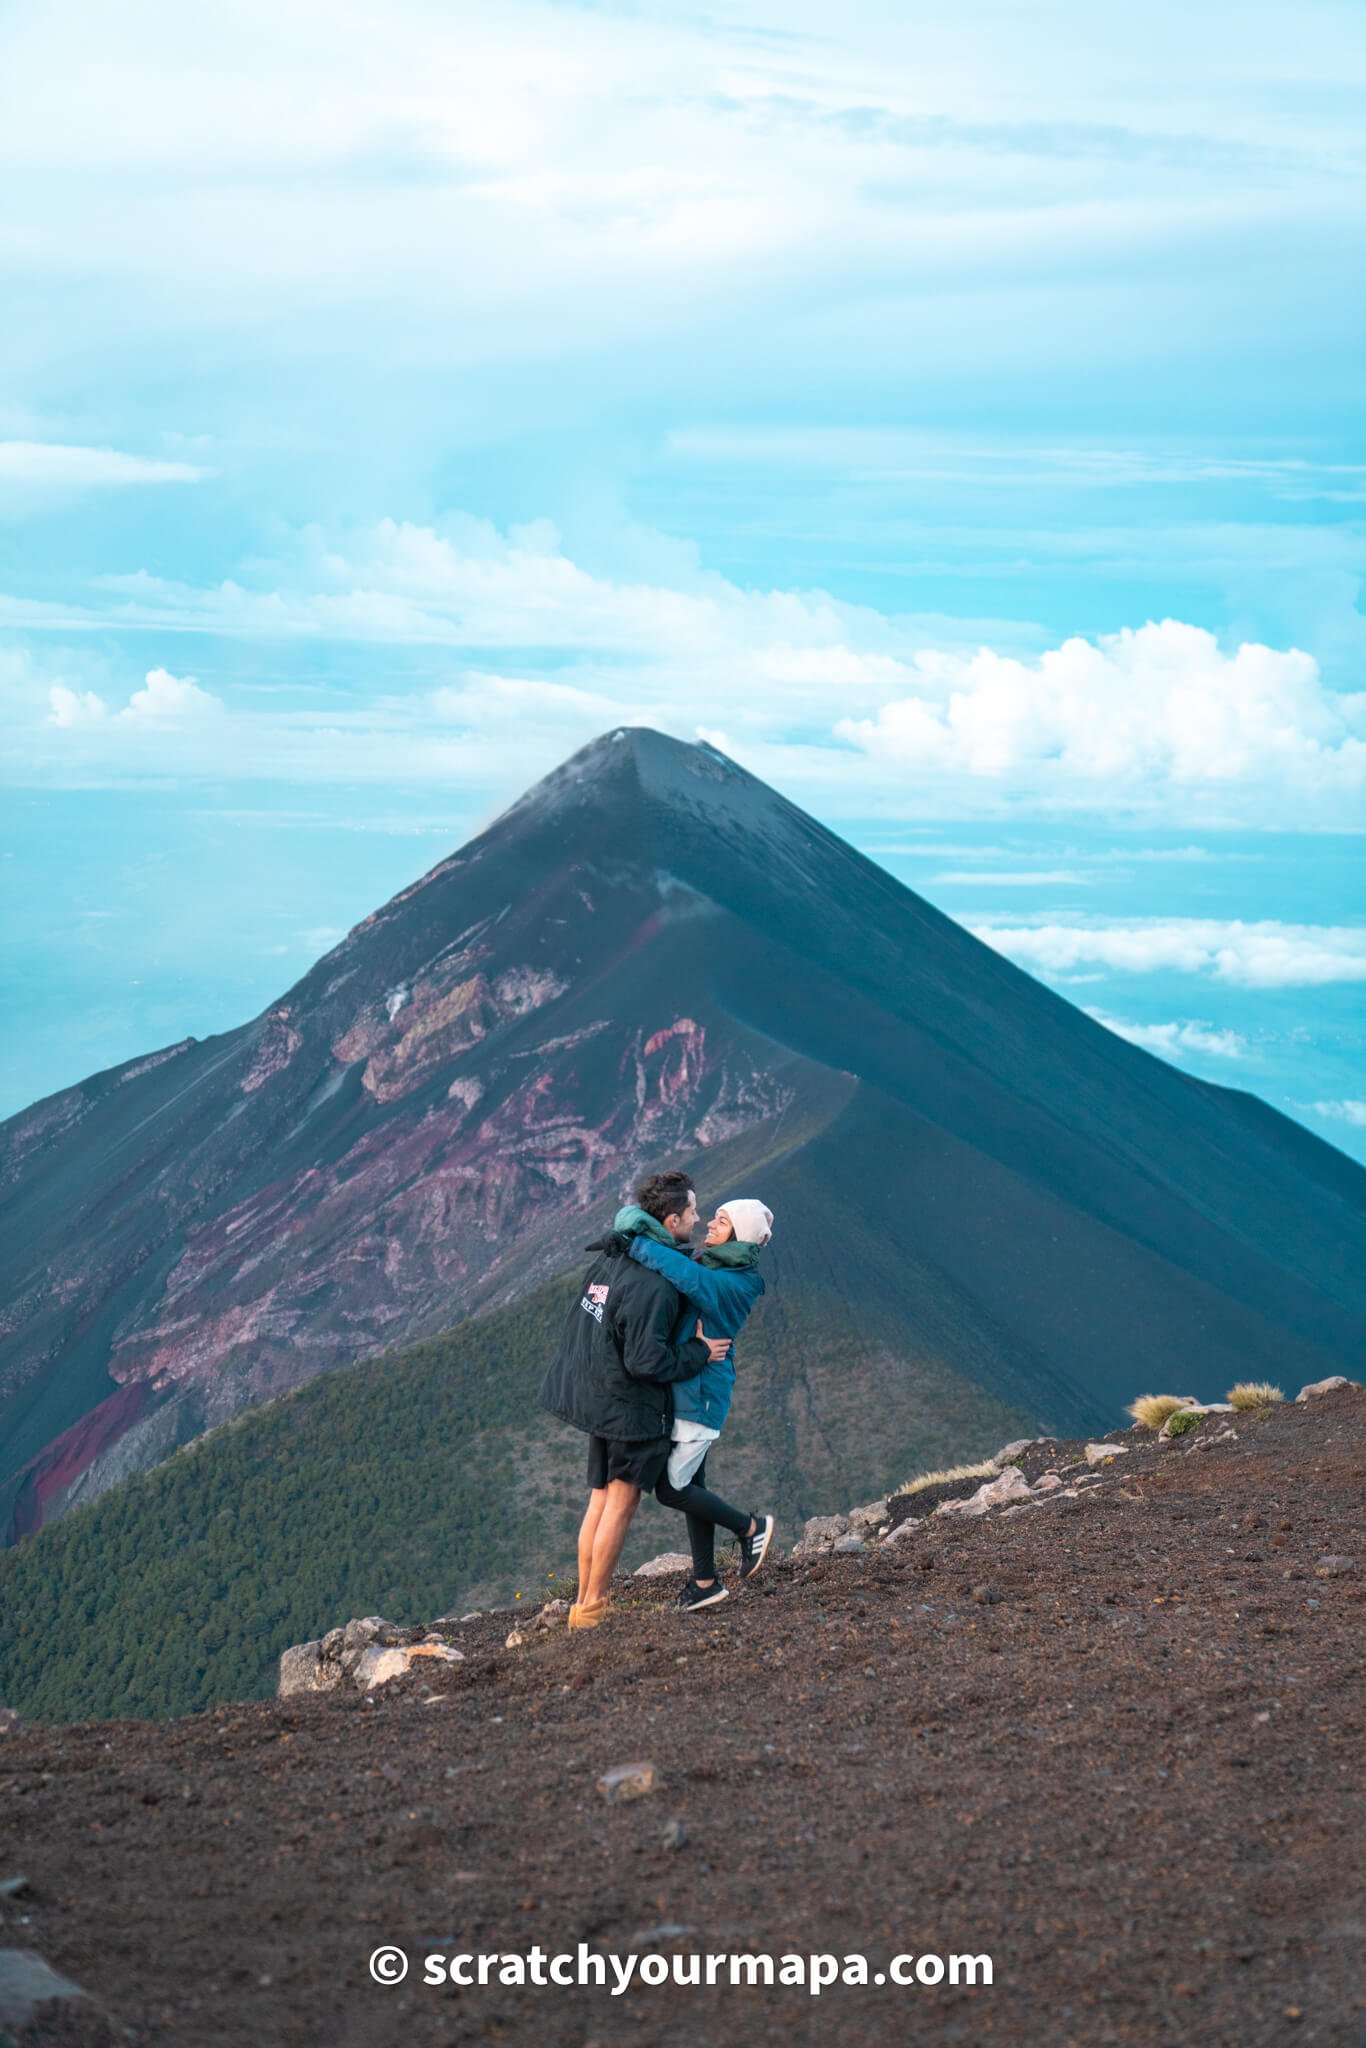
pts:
[706, 1512]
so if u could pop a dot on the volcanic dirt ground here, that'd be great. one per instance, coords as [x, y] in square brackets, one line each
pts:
[1114, 1743]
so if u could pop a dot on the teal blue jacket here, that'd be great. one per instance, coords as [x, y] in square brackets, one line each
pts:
[723, 1296]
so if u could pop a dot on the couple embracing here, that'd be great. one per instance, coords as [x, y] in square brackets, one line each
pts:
[636, 1372]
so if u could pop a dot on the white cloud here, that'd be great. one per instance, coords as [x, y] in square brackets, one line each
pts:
[1172, 1040]
[1160, 705]
[164, 704]
[892, 454]
[1348, 1111]
[1009, 878]
[1159, 722]
[166, 699]
[482, 699]
[56, 465]
[561, 156]
[75, 707]
[1094, 856]
[1262, 954]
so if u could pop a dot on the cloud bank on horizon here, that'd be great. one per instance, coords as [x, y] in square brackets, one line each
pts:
[952, 418]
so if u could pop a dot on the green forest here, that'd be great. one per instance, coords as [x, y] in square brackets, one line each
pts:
[384, 1488]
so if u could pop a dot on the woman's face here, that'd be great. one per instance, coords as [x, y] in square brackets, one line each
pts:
[720, 1230]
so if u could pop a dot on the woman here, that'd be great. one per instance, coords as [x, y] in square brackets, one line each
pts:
[723, 1281]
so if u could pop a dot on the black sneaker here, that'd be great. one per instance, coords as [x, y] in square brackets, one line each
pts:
[694, 1595]
[754, 1549]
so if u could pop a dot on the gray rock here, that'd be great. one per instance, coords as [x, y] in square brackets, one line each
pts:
[1166, 1432]
[434, 1651]
[380, 1665]
[675, 1835]
[1334, 1567]
[849, 1544]
[1332, 1385]
[861, 1520]
[628, 1781]
[1096, 1454]
[651, 1937]
[36, 2002]
[1049, 1482]
[301, 1669]
[1220, 1436]
[668, 1561]
[1013, 1451]
[552, 1615]
[370, 1631]
[358, 1635]
[993, 1493]
[821, 1532]
[366, 1653]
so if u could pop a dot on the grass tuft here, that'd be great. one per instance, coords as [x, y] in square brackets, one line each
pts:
[986, 1470]
[1181, 1420]
[1253, 1394]
[1150, 1411]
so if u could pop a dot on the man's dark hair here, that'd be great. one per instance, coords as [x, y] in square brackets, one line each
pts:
[664, 1194]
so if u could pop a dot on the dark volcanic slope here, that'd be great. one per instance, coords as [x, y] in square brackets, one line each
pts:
[1131, 1777]
[650, 954]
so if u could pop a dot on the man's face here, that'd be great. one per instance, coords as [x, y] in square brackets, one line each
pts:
[683, 1225]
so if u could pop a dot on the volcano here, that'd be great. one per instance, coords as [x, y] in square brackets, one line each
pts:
[654, 958]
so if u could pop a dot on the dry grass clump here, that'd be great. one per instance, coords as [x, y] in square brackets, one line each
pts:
[1253, 1394]
[986, 1470]
[1150, 1411]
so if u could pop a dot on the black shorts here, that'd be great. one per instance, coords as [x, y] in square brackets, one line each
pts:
[640, 1464]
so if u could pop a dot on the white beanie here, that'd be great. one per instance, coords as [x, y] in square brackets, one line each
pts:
[751, 1221]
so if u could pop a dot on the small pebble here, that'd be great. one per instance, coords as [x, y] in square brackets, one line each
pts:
[627, 1781]
[1333, 1567]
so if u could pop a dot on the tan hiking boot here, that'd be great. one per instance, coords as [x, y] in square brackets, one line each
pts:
[589, 1614]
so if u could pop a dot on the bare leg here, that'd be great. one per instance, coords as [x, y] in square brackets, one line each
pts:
[588, 1529]
[610, 1537]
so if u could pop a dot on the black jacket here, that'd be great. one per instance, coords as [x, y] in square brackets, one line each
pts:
[623, 1342]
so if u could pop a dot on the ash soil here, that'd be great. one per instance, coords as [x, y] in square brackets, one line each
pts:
[1114, 1742]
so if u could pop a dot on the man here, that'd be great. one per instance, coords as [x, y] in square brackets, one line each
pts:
[627, 1340]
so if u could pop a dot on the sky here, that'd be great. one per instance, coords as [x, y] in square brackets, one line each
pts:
[958, 419]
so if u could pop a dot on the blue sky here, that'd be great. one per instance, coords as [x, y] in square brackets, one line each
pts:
[959, 420]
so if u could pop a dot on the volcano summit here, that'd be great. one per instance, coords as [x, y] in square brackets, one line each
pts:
[653, 957]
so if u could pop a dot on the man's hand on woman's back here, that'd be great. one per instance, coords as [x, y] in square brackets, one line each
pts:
[718, 1346]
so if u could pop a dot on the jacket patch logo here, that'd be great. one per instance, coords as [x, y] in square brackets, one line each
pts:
[594, 1299]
